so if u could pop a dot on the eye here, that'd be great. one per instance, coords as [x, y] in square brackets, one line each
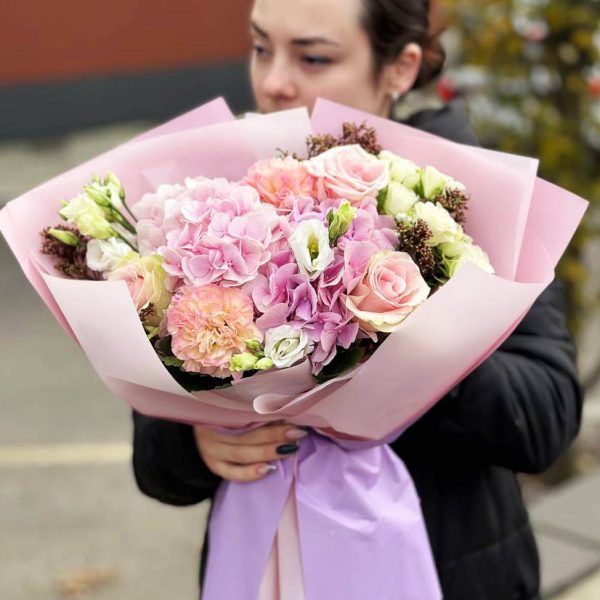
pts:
[313, 60]
[259, 51]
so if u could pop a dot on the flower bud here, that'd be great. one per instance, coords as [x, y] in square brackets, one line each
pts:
[66, 237]
[96, 193]
[264, 364]
[111, 180]
[340, 221]
[254, 346]
[242, 362]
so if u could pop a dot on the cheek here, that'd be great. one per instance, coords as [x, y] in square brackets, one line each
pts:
[255, 76]
[353, 86]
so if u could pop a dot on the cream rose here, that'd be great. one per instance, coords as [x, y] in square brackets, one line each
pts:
[402, 170]
[391, 288]
[398, 199]
[458, 254]
[349, 172]
[443, 227]
[147, 283]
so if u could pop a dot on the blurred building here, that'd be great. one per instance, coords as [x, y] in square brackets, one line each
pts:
[79, 63]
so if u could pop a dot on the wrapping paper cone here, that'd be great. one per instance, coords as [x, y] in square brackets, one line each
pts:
[353, 501]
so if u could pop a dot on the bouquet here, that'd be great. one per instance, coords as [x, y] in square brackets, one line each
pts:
[301, 289]
[294, 262]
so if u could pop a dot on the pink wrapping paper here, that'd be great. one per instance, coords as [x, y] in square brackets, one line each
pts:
[483, 308]
[522, 222]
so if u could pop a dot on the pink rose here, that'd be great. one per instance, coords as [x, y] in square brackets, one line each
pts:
[390, 289]
[279, 181]
[349, 172]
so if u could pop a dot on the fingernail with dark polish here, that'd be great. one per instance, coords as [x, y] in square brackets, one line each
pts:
[287, 449]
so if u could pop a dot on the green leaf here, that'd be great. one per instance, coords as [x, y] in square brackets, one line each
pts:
[196, 382]
[343, 361]
[172, 361]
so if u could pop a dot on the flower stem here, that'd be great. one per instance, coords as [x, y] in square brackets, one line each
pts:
[121, 237]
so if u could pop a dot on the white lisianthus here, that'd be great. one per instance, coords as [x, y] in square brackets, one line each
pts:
[104, 255]
[443, 227]
[286, 345]
[433, 183]
[398, 199]
[458, 254]
[310, 244]
[87, 216]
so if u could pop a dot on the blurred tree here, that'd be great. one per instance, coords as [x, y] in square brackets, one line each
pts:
[530, 72]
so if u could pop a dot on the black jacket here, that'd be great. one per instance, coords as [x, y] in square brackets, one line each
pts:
[516, 412]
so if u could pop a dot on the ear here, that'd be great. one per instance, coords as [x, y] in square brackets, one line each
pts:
[399, 76]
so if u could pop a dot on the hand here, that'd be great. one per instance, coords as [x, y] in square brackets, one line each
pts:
[245, 456]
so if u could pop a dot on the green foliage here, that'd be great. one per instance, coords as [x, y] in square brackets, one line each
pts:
[344, 361]
[530, 71]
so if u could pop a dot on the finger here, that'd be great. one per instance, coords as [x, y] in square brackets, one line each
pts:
[267, 434]
[249, 454]
[244, 473]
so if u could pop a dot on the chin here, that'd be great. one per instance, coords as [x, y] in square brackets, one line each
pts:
[283, 105]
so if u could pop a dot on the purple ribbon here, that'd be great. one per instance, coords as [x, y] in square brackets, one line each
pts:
[361, 529]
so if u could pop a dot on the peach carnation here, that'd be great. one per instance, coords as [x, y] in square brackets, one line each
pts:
[279, 181]
[208, 325]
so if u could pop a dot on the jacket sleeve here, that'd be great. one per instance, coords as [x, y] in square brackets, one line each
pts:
[521, 408]
[167, 464]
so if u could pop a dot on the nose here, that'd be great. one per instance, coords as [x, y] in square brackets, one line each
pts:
[279, 81]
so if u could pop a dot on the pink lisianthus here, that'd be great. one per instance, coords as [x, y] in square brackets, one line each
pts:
[208, 325]
[390, 289]
[349, 172]
[278, 181]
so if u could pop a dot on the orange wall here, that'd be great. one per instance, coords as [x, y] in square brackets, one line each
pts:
[44, 40]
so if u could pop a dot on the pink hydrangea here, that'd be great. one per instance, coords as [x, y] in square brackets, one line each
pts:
[224, 234]
[208, 325]
[157, 214]
[329, 331]
[280, 181]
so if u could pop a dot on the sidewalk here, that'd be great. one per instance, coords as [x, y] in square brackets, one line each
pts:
[567, 527]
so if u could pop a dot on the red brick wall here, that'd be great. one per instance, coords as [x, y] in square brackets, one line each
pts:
[45, 40]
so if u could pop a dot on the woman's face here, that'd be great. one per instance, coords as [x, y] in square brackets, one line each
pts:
[303, 49]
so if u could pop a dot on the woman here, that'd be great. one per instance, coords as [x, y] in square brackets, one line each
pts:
[517, 412]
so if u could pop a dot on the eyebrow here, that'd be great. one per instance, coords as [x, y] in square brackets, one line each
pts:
[305, 41]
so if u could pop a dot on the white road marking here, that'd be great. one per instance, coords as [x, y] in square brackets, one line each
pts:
[65, 454]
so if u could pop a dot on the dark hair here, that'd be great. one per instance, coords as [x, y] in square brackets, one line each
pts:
[392, 24]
